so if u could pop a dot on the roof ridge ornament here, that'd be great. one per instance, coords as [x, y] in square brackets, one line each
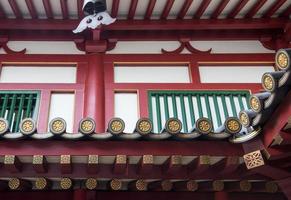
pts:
[96, 15]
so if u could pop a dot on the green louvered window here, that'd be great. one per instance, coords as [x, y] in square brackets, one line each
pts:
[188, 106]
[17, 105]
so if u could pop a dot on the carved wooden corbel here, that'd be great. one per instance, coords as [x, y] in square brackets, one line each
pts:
[96, 45]
[185, 43]
[3, 44]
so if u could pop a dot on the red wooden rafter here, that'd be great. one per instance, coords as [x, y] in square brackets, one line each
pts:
[132, 9]
[48, 9]
[64, 7]
[237, 8]
[184, 9]
[286, 12]
[31, 9]
[203, 6]
[150, 9]
[256, 7]
[114, 10]
[80, 6]
[167, 9]
[15, 9]
[276, 5]
[219, 9]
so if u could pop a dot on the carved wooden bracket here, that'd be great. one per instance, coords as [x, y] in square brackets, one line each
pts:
[275, 43]
[3, 44]
[185, 43]
[96, 45]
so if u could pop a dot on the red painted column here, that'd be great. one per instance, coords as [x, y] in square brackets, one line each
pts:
[94, 91]
[79, 194]
[221, 195]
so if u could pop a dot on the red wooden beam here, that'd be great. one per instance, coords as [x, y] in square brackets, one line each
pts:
[114, 10]
[227, 165]
[150, 9]
[31, 9]
[277, 121]
[253, 11]
[119, 147]
[65, 164]
[12, 163]
[272, 172]
[64, 7]
[275, 6]
[39, 164]
[172, 164]
[15, 9]
[283, 138]
[286, 13]
[93, 164]
[120, 164]
[132, 9]
[219, 9]
[80, 6]
[184, 9]
[48, 9]
[145, 164]
[203, 6]
[149, 25]
[167, 9]
[237, 8]
[199, 165]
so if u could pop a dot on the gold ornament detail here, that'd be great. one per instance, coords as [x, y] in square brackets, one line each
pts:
[218, 185]
[37, 159]
[255, 104]
[244, 119]
[204, 125]
[167, 185]
[66, 183]
[58, 126]
[173, 126]
[65, 159]
[254, 159]
[116, 126]
[282, 60]
[9, 159]
[245, 185]
[176, 159]
[233, 125]
[14, 183]
[3, 125]
[40, 183]
[268, 82]
[27, 126]
[121, 159]
[87, 126]
[271, 187]
[148, 159]
[144, 126]
[192, 185]
[91, 183]
[115, 184]
[141, 185]
[93, 159]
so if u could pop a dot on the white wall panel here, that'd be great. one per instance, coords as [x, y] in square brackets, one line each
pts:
[233, 74]
[139, 47]
[126, 108]
[153, 74]
[35, 74]
[63, 105]
[44, 47]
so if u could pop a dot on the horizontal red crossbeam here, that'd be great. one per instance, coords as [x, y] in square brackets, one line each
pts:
[126, 25]
[137, 148]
